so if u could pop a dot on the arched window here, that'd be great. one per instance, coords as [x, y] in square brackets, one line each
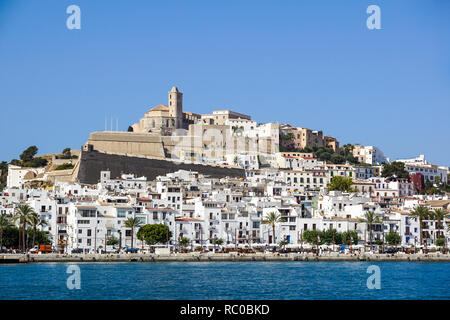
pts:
[153, 123]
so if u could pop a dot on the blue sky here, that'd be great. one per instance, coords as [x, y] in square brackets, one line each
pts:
[308, 63]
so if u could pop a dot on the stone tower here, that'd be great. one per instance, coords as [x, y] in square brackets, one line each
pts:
[176, 106]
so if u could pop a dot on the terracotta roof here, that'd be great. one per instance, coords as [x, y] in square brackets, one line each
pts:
[144, 199]
[161, 107]
[182, 219]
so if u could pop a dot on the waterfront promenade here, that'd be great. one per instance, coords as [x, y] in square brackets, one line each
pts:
[210, 257]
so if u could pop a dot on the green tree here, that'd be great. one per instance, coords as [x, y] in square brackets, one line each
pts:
[35, 222]
[283, 244]
[112, 241]
[15, 162]
[154, 233]
[395, 169]
[130, 129]
[310, 236]
[29, 154]
[184, 242]
[347, 149]
[64, 166]
[439, 215]
[271, 219]
[3, 174]
[440, 242]
[370, 217]
[11, 237]
[132, 223]
[39, 237]
[331, 236]
[337, 159]
[4, 223]
[393, 238]
[22, 214]
[341, 184]
[66, 153]
[422, 213]
[348, 236]
[35, 163]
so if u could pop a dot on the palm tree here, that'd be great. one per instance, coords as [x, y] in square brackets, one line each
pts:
[132, 223]
[370, 217]
[22, 214]
[272, 218]
[184, 242]
[422, 213]
[4, 223]
[439, 215]
[35, 222]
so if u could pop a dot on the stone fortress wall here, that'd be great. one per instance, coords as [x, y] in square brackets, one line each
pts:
[93, 162]
[126, 143]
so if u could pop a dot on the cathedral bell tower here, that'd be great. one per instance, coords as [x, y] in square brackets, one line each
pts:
[176, 107]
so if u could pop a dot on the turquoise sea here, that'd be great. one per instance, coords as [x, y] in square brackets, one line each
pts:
[225, 280]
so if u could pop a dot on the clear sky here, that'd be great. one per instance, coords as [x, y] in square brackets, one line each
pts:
[307, 63]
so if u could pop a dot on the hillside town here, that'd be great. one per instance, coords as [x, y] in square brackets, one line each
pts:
[299, 190]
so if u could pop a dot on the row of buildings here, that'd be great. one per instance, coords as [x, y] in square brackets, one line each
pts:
[205, 209]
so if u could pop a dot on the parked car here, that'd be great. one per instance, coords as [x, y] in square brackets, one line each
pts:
[35, 249]
[45, 248]
[130, 250]
[77, 250]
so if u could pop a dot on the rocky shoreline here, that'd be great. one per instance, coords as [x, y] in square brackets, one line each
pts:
[196, 257]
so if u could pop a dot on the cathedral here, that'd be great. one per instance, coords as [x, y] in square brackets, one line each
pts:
[163, 120]
[201, 137]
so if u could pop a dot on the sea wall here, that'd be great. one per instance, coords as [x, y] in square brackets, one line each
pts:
[195, 257]
[92, 162]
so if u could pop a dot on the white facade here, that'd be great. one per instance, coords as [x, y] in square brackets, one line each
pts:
[369, 154]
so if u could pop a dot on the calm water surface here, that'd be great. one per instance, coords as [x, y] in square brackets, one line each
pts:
[226, 280]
